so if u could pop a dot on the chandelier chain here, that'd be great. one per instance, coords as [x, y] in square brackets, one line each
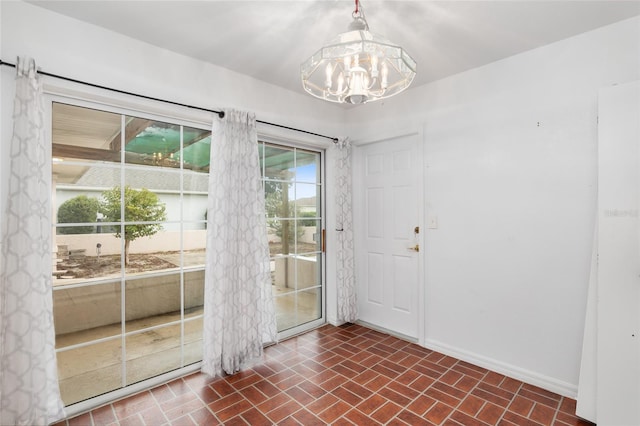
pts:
[359, 12]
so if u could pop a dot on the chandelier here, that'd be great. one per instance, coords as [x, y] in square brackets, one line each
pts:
[357, 66]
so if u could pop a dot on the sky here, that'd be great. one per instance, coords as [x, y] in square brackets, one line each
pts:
[304, 174]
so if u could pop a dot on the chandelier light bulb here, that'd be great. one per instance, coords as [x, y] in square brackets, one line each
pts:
[329, 73]
[357, 66]
[384, 75]
[374, 66]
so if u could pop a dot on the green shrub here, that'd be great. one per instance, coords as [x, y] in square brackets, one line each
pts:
[307, 222]
[80, 209]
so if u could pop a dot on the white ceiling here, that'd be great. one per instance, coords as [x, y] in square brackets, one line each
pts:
[269, 39]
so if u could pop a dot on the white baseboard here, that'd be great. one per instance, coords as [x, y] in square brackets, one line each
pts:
[545, 382]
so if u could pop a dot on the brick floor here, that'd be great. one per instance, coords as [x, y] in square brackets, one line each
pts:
[344, 376]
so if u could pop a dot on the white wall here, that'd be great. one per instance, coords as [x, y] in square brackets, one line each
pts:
[510, 171]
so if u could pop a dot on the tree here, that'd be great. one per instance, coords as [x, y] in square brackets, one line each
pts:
[80, 209]
[277, 204]
[140, 205]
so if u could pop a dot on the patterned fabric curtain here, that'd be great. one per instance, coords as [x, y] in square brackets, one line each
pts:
[29, 393]
[346, 283]
[239, 316]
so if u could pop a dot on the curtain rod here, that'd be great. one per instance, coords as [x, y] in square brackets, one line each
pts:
[124, 92]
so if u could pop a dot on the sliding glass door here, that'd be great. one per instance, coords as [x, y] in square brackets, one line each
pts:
[293, 196]
[130, 210]
[130, 198]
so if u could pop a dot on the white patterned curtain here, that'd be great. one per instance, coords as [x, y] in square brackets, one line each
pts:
[239, 315]
[29, 393]
[345, 262]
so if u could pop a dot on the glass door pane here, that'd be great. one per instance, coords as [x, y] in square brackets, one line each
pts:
[130, 195]
[293, 188]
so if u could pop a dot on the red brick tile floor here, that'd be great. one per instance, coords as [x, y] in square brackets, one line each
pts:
[343, 376]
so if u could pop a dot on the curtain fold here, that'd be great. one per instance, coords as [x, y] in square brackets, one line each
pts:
[239, 315]
[345, 261]
[29, 392]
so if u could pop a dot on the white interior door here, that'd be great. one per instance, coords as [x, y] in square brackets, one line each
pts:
[387, 210]
[618, 293]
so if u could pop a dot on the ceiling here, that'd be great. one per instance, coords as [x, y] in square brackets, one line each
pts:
[269, 39]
